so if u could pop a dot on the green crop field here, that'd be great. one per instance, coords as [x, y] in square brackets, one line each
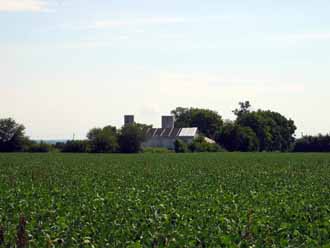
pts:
[165, 200]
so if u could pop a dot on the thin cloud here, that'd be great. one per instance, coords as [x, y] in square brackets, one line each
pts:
[312, 36]
[137, 22]
[22, 5]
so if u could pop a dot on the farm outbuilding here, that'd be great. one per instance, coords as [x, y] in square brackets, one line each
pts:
[167, 134]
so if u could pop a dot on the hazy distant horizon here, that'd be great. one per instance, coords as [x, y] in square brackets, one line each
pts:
[68, 66]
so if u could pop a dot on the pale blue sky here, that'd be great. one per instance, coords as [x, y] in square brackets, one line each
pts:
[69, 65]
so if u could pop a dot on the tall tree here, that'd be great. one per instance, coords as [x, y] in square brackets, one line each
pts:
[209, 122]
[131, 137]
[237, 138]
[12, 138]
[274, 131]
[103, 139]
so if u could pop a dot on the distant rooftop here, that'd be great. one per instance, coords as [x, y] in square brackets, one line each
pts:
[171, 132]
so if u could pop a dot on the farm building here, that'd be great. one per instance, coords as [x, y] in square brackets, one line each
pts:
[167, 134]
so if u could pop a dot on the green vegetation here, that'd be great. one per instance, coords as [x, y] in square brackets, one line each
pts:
[209, 122]
[274, 131]
[103, 139]
[180, 146]
[156, 150]
[234, 137]
[12, 138]
[259, 130]
[320, 143]
[165, 200]
[200, 145]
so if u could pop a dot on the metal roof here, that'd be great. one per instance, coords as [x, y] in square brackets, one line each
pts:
[171, 132]
[188, 132]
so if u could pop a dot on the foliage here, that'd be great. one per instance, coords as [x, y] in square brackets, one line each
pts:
[208, 122]
[238, 138]
[244, 108]
[180, 146]
[103, 139]
[59, 146]
[165, 200]
[200, 145]
[274, 131]
[39, 147]
[320, 143]
[155, 150]
[12, 137]
[76, 146]
[131, 138]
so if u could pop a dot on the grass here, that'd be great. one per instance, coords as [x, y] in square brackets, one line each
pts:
[165, 200]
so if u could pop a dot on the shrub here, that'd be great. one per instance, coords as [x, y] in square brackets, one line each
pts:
[180, 146]
[200, 145]
[320, 143]
[156, 150]
[39, 147]
[76, 146]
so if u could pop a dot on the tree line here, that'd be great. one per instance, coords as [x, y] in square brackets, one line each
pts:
[108, 139]
[250, 131]
[261, 130]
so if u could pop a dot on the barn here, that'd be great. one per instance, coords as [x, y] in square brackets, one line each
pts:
[167, 134]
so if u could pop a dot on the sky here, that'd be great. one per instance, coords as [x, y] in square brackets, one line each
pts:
[67, 66]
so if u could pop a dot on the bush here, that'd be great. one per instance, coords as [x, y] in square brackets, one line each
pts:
[39, 147]
[156, 150]
[76, 146]
[320, 143]
[180, 146]
[200, 145]
[59, 146]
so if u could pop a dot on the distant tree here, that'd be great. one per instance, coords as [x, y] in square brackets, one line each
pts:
[274, 131]
[39, 147]
[180, 146]
[76, 146]
[208, 122]
[12, 138]
[244, 108]
[237, 138]
[131, 138]
[103, 140]
[320, 143]
[59, 146]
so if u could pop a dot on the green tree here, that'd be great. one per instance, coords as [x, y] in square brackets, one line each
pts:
[319, 143]
[244, 108]
[75, 146]
[39, 147]
[103, 140]
[209, 122]
[12, 137]
[274, 131]
[131, 138]
[238, 138]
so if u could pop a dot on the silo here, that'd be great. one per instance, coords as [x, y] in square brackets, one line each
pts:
[167, 121]
[128, 119]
